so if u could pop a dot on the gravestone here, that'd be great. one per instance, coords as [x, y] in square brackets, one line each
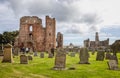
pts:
[41, 54]
[108, 55]
[23, 59]
[50, 55]
[52, 51]
[84, 56]
[60, 60]
[93, 52]
[114, 57]
[112, 64]
[100, 55]
[35, 54]
[30, 57]
[72, 54]
[7, 57]
[16, 51]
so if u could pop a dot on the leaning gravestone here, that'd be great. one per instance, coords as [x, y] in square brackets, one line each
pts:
[60, 60]
[23, 59]
[100, 55]
[112, 64]
[84, 56]
[7, 54]
[41, 54]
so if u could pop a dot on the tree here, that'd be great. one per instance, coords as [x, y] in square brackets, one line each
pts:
[8, 37]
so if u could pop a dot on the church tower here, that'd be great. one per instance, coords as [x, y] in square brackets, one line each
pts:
[96, 37]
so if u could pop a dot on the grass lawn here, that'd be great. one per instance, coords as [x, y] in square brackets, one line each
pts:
[42, 68]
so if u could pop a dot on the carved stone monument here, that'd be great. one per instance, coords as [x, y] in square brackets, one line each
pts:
[100, 55]
[8, 57]
[84, 56]
[60, 60]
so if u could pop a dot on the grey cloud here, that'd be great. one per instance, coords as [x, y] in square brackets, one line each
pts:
[90, 19]
[63, 12]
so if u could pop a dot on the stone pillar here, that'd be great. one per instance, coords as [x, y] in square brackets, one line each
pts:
[59, 40]
[8, 54]
[60, 60]
[84, 56]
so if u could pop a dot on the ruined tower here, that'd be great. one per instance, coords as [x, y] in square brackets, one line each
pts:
[96, 37]
[50, 40]
[36, 37]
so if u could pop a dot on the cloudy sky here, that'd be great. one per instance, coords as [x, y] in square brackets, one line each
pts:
[76, 19]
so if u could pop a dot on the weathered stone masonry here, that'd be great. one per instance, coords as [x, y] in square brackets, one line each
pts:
[33, 35]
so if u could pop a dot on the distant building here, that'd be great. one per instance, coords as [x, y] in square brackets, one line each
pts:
[94, 45]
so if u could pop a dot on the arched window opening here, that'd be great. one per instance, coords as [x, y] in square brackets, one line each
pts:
[31, 28]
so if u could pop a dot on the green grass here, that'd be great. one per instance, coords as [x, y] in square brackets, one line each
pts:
[42, 68]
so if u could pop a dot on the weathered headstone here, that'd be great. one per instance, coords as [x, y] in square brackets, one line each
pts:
[112, 64]
[50, 55]
[41, 54]
[8, 57]
[16, 51]
[108, 55]
[30, 57]
[35, 54]
[23, 59]
[100, 55]
[84, 56]
[60, 60]
[72, 54]
[114, 57]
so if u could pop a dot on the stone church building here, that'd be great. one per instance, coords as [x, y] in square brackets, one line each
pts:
[34, 36]
[94, 45]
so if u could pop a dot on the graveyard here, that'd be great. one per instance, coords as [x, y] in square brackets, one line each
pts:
[59, 39]
[43, 68]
